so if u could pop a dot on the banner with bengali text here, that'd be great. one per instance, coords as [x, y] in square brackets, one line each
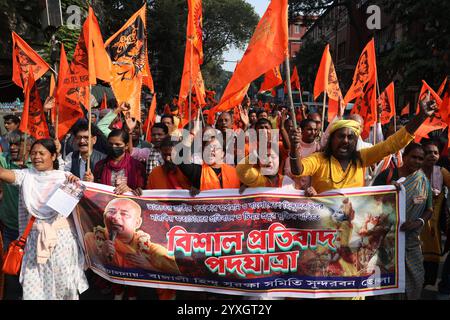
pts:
[264, 243]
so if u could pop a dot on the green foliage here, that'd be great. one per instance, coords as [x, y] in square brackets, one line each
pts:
[307, 62]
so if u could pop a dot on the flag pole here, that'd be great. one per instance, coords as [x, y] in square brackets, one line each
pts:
[89, 131]
[291, 102]
[190, 80]
[323, 111]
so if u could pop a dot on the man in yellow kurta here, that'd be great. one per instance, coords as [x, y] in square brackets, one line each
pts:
[342, 166]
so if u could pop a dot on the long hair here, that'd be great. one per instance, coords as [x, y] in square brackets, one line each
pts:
[328, 150]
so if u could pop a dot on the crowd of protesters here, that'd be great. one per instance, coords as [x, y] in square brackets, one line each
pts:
[316, 157]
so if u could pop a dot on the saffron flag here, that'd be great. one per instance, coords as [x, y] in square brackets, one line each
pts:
[365, 72]
[192, 80]
[442, 87]
[363, 88]
[327, 81]
[68, 99]
[33, 120]
[52, 85]
[268, 48]
[387, 101]
[90, 60]
[438, 120]
[295, 79]
[25, 59]
[405, 111]
[151, 119]
[104, 104]
[127, 49]
[272, 79]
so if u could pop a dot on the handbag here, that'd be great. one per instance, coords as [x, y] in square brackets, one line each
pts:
[12, 260]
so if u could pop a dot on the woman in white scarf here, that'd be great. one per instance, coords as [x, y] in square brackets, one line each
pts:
[52, 267]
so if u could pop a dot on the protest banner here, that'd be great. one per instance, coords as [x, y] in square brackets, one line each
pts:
[266, 242]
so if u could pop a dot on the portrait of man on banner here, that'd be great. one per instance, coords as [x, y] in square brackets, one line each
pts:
[121, 242]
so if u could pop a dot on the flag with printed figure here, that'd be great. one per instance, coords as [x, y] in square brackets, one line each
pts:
[364, 88]
[26, 59]
[268, 48]
[438, 120]
[387, 101]
[272, 79]
[33, 120]
[127, 49]
[327, 81]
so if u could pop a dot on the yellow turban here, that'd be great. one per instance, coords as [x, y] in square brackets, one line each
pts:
[351, 124]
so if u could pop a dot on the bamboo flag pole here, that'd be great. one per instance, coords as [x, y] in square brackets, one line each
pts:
[190, 80]
[376, 114]
[288, 83]
[89, 130]
[324, 106]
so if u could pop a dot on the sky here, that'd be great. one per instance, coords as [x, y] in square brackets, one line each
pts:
[234, 54]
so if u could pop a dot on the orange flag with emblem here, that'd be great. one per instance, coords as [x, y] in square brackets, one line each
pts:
[33, 120]
[130, 67]
[67, 99]
[327, 81]
[365, 72]
[438, 120]
[267, 49]
[363, 88]
[192, 79]
[387, 101]
[272, 79]
[25, 58]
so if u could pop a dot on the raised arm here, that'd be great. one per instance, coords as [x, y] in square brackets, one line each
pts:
[401, 138]
[7, 176]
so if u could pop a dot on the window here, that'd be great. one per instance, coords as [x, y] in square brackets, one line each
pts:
[297, 28]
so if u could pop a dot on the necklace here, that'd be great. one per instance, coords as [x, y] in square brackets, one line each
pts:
[345, 176]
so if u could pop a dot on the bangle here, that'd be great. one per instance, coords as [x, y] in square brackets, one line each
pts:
[421, 220]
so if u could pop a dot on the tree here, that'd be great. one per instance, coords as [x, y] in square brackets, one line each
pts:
[226, 23]
[307, 62]
[423, 52]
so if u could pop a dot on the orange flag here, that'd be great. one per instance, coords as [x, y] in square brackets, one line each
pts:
[268, 48]
[151, 119]
[438, 121]
[33, 120]
[25, 58]
[193, 57]
[405, 111]
[365, 106]
[104, 104]
[52, 85]
[295, 80]
[130, 67]
[387, 100]
[365, 72]
[363, 88]
[442, 87]
[272, 79]
[327, 81]
[90, 60]
[67, 99]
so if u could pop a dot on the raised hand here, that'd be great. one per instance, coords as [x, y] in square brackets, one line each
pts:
[243, 113]
[49, 103]
[428, 106]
